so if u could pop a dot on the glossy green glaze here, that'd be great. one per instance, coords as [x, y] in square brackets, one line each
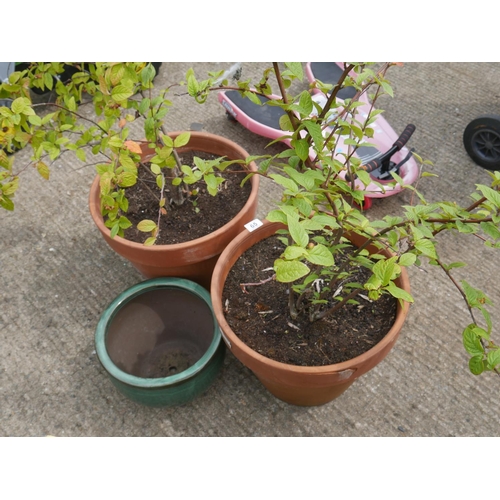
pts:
[146, 319]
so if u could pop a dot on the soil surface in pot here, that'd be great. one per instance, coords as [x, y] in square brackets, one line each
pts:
[167, 359]
[198, 216]
[260, 316]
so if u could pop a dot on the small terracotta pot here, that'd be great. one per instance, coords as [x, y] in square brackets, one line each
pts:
[195, 259]
[298, 385]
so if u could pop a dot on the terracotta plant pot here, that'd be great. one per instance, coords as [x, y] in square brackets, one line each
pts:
[298, 385]
[159, 342]
[195, 259]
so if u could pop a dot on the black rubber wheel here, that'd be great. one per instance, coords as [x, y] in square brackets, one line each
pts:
[482, 141]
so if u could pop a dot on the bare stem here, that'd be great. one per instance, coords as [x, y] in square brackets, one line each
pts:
[336, 307]
[161, 209]
[262, 282]
[458, 287]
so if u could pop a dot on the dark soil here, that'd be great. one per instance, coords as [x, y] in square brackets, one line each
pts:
[260, 317]
[198, 216]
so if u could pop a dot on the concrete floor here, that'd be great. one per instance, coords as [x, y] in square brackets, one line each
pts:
[58, 275]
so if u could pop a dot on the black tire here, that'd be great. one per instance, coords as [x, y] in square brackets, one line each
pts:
[482, 141]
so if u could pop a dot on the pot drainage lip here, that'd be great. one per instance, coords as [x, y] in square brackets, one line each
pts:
[123, 298]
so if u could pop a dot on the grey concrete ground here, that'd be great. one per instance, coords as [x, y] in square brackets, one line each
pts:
[57, 276]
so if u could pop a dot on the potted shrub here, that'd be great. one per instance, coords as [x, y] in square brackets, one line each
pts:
[169, 175]
[300, 298]
[159, 342]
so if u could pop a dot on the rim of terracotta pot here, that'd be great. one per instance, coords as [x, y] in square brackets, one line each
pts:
[231, 254]
[95, 205]
[125, 297]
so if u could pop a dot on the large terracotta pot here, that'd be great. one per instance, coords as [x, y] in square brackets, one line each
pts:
[195, 259]
[298, 385]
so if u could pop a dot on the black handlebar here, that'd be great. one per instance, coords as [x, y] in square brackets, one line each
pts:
[386, 157]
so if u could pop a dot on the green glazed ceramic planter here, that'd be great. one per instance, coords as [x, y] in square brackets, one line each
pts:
[160, 343]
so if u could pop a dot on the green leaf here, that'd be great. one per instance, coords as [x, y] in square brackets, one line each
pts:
[475, 297]
[407, 259]
[320, 255]
[6, 203]
[398, 179]
[476, 365]
[288, 271]
[147, 75]
[150, 241]
[114, 229]
[192, 85]
[296, 69]
[480, 332]
[471, 342]
[35, 120]
[104, 167]
[315, 130]
[124, 223]
[466, 228]
[187, 170]
[127, 163]
[427, 248]
[455, 265]
[491, 229]
[149, 129]
[364, 177]
[9, 188]
[43, 170]
[387, 87]
[144, 105]
[146, 226]
[182, 139]
[301, 148]
[115, 142]
[127, 179]
[285, 182]
[305, 103]
[326, 221]
[490, 194]
[213, 182]
[297, 232]
[399, 293]
[276, 216]
[47, 118]
[285, 123]
[386, 270]
[71, 103]
[80, 154]
[294, 252]
[493, 359]
[48, 80]
[19, 105]
[253, 98]
[307, 179]
[121, 93]
[305, 209]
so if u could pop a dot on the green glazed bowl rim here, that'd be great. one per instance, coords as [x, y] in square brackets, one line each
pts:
[125, 297]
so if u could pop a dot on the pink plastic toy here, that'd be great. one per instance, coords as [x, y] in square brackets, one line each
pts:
[389, 155]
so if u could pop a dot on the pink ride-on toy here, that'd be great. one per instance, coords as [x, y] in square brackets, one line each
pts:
[389, 155]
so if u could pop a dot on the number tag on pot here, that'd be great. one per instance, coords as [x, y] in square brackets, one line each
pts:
[253, 225]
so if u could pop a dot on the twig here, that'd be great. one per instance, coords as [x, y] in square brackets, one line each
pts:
[262, 282]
